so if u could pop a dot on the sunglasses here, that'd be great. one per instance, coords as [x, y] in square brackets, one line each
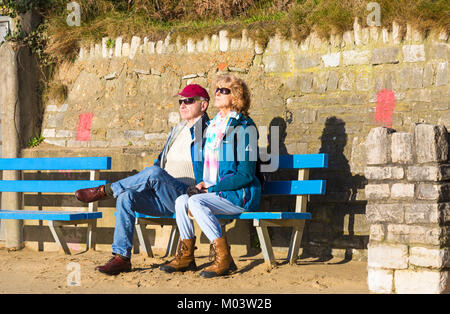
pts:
[223, 91]
[187, 101]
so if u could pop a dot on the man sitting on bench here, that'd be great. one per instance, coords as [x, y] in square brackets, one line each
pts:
[153, 191]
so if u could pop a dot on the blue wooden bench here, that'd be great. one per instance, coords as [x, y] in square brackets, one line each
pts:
[56, 219]
[302, 187]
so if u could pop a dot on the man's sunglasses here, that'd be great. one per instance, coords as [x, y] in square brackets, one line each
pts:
[223, 91]
[187, 101]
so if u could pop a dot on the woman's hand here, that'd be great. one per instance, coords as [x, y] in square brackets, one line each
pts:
[202, 187]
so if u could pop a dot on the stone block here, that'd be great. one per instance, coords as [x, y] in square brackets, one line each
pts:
[380, 213]
[380, 280]
[402, 147]
[434, 213]
[385, 55]
[356, 57]
[428, 75]
[377, 191]
[442, 74]
[400, 233]
[433, 192]
[276, 63]
[331, 59]
[376, 232]
[413, 53]
[48, 133]
[118, 47]
[428, 173]
[421, 281]
[305, 62]
[402, 191]
[390, 256]
[429, 257]
[383, 173]
[333, 80]
[224, 41]
[431, 143]
[378, 146]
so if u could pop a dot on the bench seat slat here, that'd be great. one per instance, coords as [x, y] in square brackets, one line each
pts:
[60, 163]
[307, 187]
[48, 186]
[246, 215]
[48, 215]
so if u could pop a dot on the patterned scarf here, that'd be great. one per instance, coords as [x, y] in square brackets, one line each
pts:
[214, 136]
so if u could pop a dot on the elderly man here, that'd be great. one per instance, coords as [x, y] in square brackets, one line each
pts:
[153, 191]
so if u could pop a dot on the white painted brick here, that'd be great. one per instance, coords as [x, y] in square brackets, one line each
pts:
[224, 41]
[380, 280]
[331, 59]
[384, 255]
[421, 282]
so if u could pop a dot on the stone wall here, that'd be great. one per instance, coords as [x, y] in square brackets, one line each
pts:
[325, 95]
[408, 209]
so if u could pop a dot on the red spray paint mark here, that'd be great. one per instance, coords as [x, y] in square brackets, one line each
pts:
[222, 66]
[385, 107]
[84, 127]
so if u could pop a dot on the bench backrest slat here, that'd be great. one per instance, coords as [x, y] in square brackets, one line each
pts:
[62, 163]
[48, 186]
[307, 187]
[300, 161]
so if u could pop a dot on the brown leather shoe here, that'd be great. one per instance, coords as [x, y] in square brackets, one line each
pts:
[223, 261]
[91, 194]
[184, 260]
[115, 266]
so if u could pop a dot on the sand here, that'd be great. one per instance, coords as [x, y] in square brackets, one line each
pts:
[29, 271]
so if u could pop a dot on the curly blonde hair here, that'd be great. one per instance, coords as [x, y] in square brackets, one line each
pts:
[240, 95]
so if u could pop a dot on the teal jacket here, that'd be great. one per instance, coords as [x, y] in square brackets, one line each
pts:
[236, 179]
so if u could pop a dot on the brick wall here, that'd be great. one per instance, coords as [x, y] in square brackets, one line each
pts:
[408, 209]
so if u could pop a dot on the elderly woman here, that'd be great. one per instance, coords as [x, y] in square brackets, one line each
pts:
[229, 183]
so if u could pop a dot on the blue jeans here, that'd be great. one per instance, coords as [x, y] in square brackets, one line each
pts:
[203, 207]
[152, 192]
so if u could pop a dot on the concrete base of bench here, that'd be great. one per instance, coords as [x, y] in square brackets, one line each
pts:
[56, 220]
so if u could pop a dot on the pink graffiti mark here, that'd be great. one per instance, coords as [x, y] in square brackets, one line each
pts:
[385, 107]
[84, 127]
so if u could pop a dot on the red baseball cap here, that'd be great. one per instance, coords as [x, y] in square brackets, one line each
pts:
[193, 90]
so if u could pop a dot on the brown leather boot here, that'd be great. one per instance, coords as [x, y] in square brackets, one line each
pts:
[91, 194]
[184, 260]
[223, 261]
[115, 266]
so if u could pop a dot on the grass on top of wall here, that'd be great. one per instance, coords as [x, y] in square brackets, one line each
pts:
[196, 18]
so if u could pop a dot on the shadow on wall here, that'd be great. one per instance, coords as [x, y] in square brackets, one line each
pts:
[334, 215]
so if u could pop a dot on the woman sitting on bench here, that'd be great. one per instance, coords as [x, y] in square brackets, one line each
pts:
[229, 183]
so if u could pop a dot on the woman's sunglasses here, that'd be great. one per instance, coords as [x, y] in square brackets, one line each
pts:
[223, 91]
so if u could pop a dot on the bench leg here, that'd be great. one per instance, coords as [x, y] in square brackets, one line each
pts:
[90, 240]
[143, 237]
[56, 230]
[296, 239]
[266, 244]
[173, 241]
